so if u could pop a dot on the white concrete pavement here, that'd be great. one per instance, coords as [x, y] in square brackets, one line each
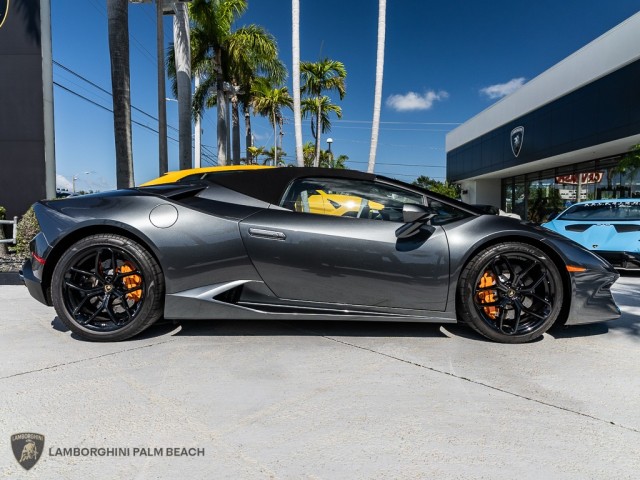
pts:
[322, 400]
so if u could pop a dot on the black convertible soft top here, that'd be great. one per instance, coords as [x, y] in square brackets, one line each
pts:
[269, 184]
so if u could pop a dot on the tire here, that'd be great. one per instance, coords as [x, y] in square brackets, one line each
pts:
[510, 293]
[107, 287]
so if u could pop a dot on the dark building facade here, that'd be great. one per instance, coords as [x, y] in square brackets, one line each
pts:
[23, 143]
[560, 137]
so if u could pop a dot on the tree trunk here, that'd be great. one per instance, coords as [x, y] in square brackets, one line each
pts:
[197, 140]
[163, 156]
[222, 121]
[248, 139]
[377, 100]
[297, 118]
[118, 22]
[316, 160]
[183, 75]
[235, 128]
[280, 134]
[275, 139]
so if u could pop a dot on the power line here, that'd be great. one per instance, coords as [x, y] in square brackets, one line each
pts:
[108, 109]
[58, 64]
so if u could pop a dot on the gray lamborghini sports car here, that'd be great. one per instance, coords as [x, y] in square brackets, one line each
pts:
[305, 243]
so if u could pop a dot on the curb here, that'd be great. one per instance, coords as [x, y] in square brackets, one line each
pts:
[10, 278]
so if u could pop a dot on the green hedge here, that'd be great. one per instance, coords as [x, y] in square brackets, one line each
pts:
[27, 229]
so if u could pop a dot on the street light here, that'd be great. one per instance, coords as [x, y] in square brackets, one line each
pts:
[76, 176]
[329, 142]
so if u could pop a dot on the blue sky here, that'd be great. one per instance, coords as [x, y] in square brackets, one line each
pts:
[444, 63]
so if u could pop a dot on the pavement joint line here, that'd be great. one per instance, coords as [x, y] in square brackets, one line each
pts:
[476, 382]
[86, 359]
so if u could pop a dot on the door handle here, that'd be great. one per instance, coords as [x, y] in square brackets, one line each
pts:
[268, 234]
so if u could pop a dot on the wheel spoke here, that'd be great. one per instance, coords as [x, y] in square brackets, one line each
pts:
[81, 272]
[97, 265]
[512, 273]
[84, 300]
[111, 313]
[540, 299]
[534, 314]
[532, 287]
[99, 309]
[524, 272]
[125, 305]
[67, 283]
[517, 309]
[114, 262]
[501, 317]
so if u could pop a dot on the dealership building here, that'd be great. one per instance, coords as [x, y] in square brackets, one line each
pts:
[565, 130]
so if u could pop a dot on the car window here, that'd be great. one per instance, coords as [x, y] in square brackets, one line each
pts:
[621, 211]
[349, 198]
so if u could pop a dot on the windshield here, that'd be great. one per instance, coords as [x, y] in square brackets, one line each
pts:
[619, 211]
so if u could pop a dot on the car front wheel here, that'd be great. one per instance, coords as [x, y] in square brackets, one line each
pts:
[510, 293]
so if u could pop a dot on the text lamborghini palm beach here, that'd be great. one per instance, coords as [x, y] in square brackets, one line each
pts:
[247, 244]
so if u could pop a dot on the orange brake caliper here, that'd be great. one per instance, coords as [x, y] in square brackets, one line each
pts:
[131, 281]
[488, 296]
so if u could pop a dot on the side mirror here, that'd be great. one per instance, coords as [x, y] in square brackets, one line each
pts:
[412, 212]
[414, 216]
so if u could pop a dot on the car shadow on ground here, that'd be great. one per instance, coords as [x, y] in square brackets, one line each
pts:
[309, 328]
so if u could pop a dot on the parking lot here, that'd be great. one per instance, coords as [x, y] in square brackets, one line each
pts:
[221, 399]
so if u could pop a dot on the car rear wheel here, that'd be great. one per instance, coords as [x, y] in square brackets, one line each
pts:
[107, 287]
[510, 293]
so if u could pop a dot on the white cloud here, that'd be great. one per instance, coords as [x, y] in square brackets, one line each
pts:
[63, 183]
[414, 101]
[503, 89]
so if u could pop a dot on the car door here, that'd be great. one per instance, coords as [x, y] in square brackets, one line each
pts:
[352, 257]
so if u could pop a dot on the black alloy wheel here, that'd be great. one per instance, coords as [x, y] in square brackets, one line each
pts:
[107, 288]
[510, 293]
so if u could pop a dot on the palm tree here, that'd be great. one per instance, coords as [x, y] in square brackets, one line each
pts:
[118, 24]
[295, 49]
[253, 55]
[226, 59]
[253, 153]
[318, 77]
[319, 108]
[269, 101]
[630, 165]
[377, 97]
[328, 160]
[274, 157]
[182, 54]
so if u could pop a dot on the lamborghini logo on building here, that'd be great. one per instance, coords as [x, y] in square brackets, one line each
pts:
[517, 137]
[27, 448]
[4, 11]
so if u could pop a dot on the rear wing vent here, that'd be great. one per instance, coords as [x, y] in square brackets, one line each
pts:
[175, 192]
